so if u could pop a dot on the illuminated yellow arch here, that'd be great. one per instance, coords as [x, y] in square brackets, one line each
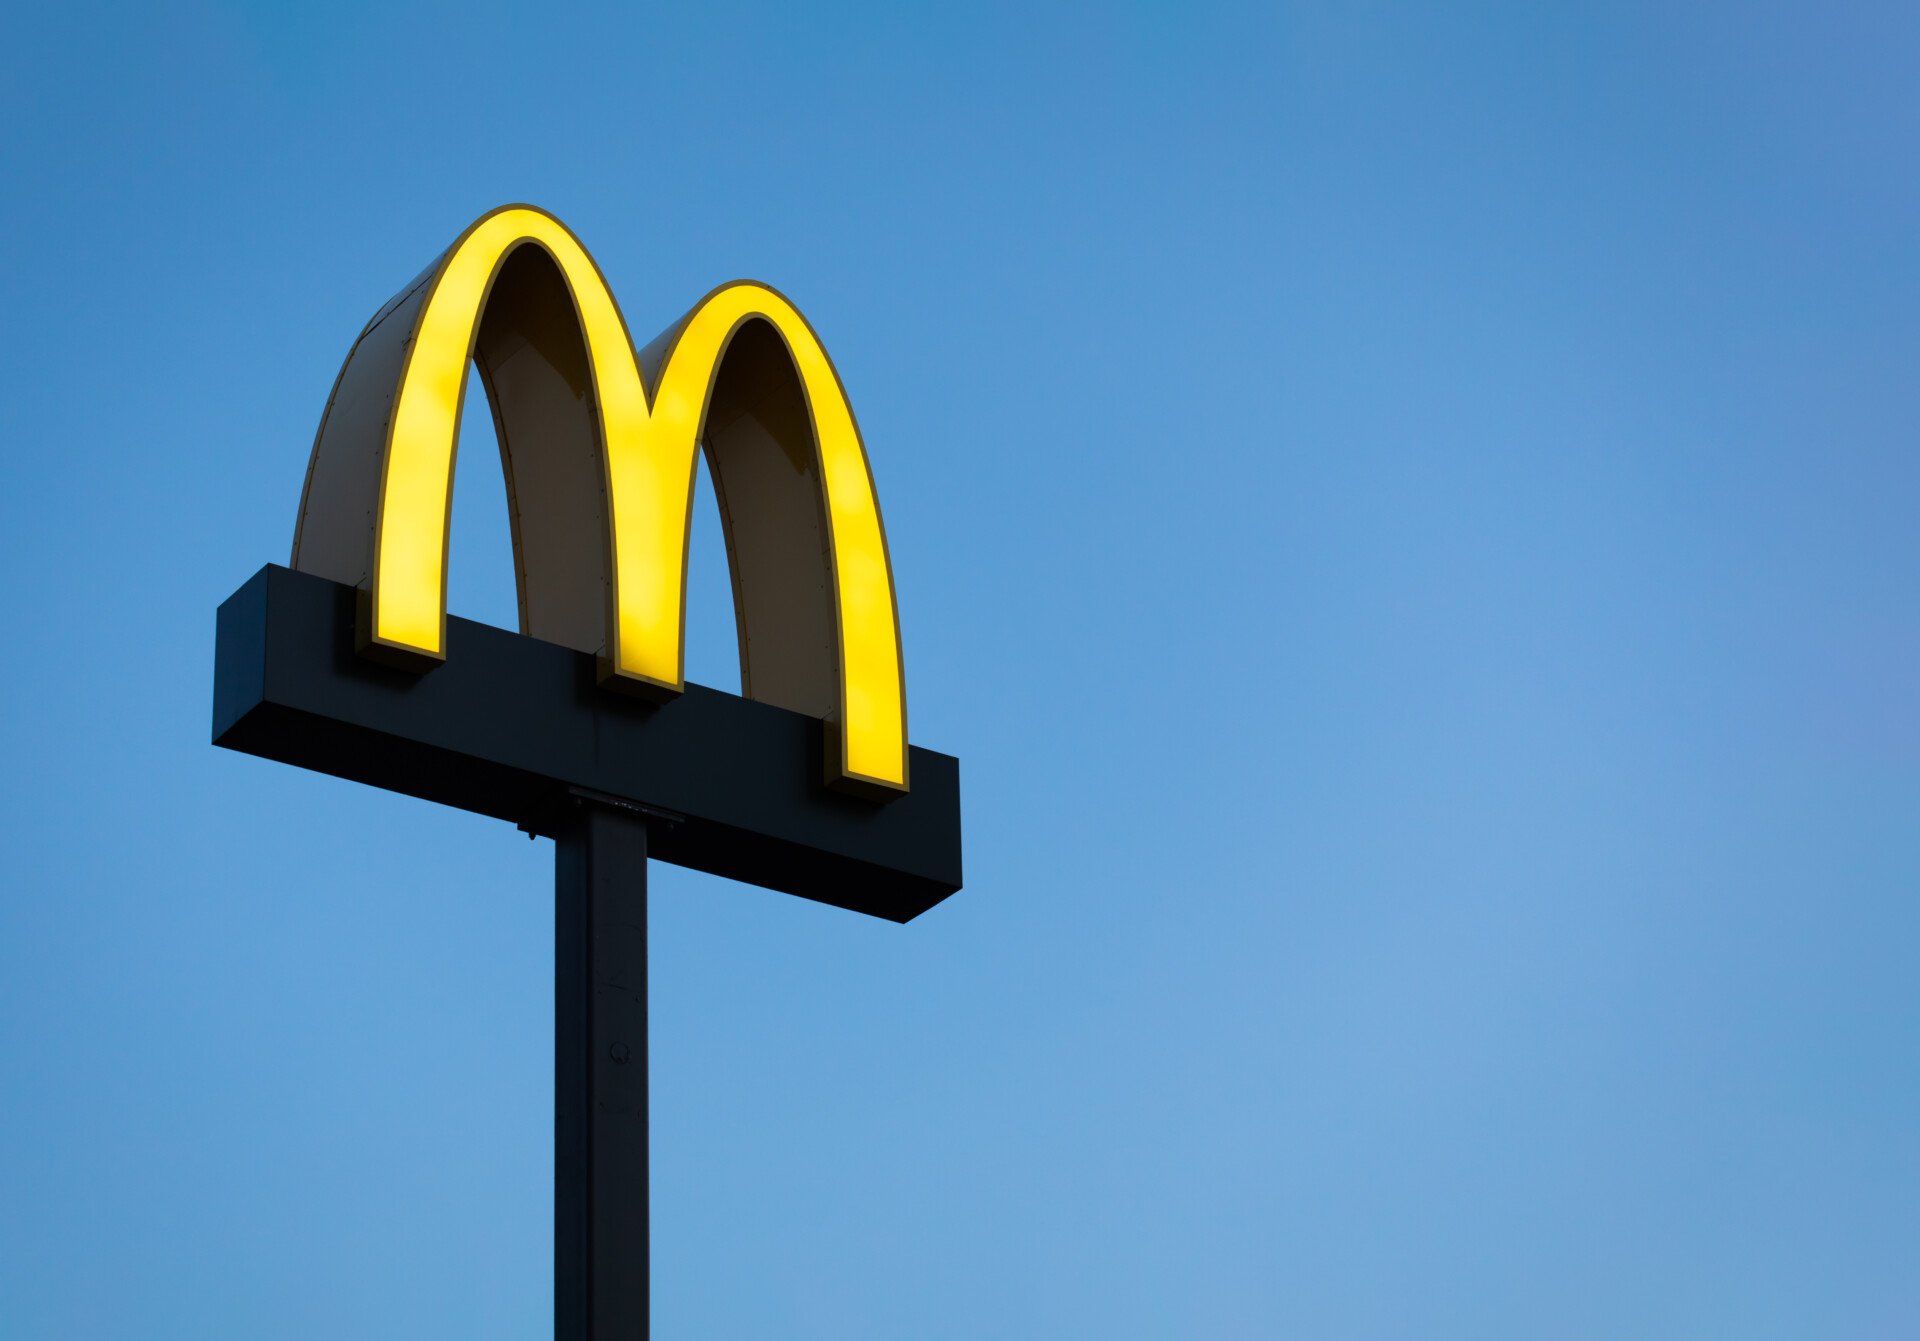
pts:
[812, 581]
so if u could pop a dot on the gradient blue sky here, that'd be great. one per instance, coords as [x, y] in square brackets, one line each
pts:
[1405, 512]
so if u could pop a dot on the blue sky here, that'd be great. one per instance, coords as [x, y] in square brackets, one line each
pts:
[1404, 512]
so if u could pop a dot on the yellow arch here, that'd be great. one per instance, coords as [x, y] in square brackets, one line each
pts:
[650, 443]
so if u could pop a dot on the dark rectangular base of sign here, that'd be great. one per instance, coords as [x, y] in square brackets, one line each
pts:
[512, 727]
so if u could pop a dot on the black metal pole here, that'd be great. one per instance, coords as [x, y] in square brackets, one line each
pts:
[600, 1230]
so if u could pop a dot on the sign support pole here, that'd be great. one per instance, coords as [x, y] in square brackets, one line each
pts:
[600, 1194]
[517, 729]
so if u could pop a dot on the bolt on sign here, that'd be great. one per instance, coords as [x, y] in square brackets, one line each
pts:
[581, 726]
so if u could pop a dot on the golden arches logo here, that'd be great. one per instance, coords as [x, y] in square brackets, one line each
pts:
[598, 444]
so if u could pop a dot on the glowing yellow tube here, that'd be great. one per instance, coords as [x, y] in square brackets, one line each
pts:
[873, 701]
[650, 462]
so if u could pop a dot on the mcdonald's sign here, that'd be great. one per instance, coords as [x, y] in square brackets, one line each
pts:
[347, 661]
